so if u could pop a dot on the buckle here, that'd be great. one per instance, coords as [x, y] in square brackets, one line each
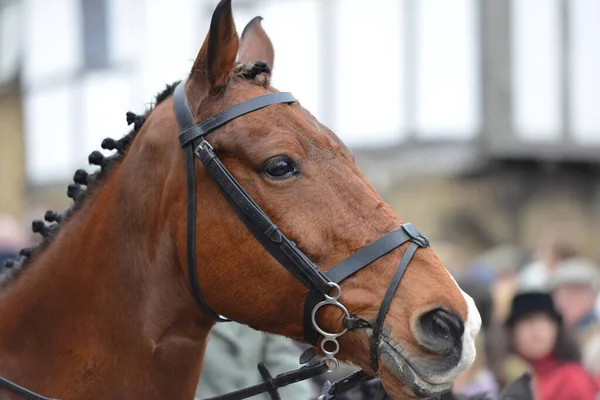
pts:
[415, 236]
[205, 152]
[203, 145]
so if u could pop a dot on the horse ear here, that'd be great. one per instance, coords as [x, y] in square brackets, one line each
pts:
[255, 44]
[217, 55]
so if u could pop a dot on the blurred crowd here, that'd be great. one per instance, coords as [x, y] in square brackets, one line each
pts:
[13, 237]
[541, 322]
[540, 335]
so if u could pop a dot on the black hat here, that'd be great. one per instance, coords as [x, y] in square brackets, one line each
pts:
[527, 303]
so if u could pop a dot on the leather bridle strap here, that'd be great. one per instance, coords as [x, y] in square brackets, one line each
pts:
[192, 139]
[267, 233]
[192, 132]
[355, 263]
[21, 391]
[359, 260]
[186, 119]
[387, 301]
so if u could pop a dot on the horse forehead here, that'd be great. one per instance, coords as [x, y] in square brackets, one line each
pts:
[282, 125]
[299, 119]
[313, 135]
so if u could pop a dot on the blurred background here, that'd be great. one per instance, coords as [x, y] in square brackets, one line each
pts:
[477, 120]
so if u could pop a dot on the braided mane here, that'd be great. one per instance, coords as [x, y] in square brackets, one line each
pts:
[85, 183]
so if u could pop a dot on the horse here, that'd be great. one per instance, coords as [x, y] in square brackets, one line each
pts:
[119, 298]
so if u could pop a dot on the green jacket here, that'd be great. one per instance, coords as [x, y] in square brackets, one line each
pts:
[232, 354]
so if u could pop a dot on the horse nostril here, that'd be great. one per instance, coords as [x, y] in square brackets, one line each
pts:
[442, 325]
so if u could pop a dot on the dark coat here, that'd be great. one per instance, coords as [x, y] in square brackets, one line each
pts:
[520, 389]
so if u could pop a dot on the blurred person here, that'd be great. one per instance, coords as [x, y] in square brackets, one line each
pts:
[12, 238]
[495, 262]
[574, 285]
[478, 379]
[232, 353]
[597, 261]
[551, 251]
[592, 359]
[538, 335]
[497, 267]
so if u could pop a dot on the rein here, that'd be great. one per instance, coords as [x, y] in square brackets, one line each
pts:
[192, 138]
[21, 391]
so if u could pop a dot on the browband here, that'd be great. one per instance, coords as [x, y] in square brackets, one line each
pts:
[231, 113]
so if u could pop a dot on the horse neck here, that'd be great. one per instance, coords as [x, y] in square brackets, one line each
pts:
[108, 302]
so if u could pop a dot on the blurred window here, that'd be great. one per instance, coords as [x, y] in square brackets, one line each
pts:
[585, 64]
[95, 34]
[536, 83]
[447, 69]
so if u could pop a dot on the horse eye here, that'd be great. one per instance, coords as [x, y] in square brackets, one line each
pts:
[280, 167]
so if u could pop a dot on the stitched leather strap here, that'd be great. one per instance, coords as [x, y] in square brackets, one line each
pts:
[355, 263]
[368, 254]
[268, 379]
[267, 233]
[387, 301]
[281, 380]
[346, 384]
[185, 119]
[202, 129]
[406, 233]
[281, 248]
[348, 267]
[192, 138]
[21, 391]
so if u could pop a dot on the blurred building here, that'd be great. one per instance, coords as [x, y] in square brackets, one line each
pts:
[476, 119]
[12, 153]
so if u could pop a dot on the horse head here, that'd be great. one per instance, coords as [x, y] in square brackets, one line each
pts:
[306, 180]
[324, 259]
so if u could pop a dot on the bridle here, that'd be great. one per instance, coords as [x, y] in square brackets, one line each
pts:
[192, 138]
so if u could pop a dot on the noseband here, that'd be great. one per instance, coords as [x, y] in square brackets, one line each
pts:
[320, 284]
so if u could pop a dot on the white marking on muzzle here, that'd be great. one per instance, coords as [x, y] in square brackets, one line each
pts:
[472, 327]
